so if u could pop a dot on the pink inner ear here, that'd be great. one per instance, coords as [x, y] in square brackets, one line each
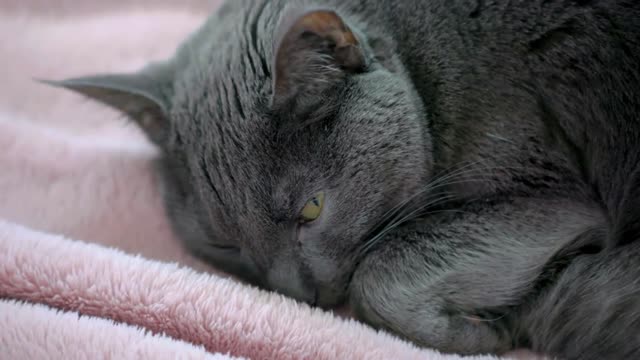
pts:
[327, 24]
[299, 60]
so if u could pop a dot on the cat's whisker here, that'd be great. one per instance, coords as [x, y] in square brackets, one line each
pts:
[377, 238]
[433, 184]
[439, 182]
[367, 245]
[398, 207]
[476, 319]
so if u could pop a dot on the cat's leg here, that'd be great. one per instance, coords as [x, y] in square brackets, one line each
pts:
[432, 279]
[592, 311]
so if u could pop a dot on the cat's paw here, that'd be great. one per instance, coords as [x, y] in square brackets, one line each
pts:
[409, 306]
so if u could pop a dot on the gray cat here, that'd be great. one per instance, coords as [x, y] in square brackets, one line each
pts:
[463, 173]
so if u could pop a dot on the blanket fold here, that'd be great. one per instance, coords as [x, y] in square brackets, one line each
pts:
[221, 314]
[39, 332]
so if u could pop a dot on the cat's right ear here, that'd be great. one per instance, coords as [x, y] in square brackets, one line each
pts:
[314, 50]
[144, 97]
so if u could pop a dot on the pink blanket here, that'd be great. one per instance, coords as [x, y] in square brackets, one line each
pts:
[82, 230]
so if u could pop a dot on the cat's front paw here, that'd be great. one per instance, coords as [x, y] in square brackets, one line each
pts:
[383, 296]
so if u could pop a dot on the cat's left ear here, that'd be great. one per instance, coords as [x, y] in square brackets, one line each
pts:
[314, 50]
[144, 97]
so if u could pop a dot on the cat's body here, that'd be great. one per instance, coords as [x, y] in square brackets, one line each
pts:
[471, 165]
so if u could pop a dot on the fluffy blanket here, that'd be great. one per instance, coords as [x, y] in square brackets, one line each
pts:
[88, 265]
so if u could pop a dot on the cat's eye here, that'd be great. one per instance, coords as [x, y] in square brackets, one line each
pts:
[312, 209]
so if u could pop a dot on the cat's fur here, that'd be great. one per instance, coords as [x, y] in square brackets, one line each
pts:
[479, 160]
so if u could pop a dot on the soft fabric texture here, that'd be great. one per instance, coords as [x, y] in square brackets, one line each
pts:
[37, 332]
[221, 314]
[82, 227]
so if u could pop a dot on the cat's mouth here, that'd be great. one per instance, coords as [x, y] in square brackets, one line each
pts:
[332, 297]
[226, 248]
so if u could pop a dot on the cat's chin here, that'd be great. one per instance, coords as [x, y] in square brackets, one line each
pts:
[329, 302]
[343, 311]
[330, 298]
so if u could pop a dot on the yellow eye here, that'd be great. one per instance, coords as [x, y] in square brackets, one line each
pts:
[312, 209]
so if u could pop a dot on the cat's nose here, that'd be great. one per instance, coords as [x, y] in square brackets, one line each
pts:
[286, 279]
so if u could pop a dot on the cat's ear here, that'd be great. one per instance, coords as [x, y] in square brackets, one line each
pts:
[314, 50]
[143, 96]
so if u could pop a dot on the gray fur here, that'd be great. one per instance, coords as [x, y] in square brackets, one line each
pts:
[479, 160]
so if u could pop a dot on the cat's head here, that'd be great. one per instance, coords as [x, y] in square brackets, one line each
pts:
[286, 136]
